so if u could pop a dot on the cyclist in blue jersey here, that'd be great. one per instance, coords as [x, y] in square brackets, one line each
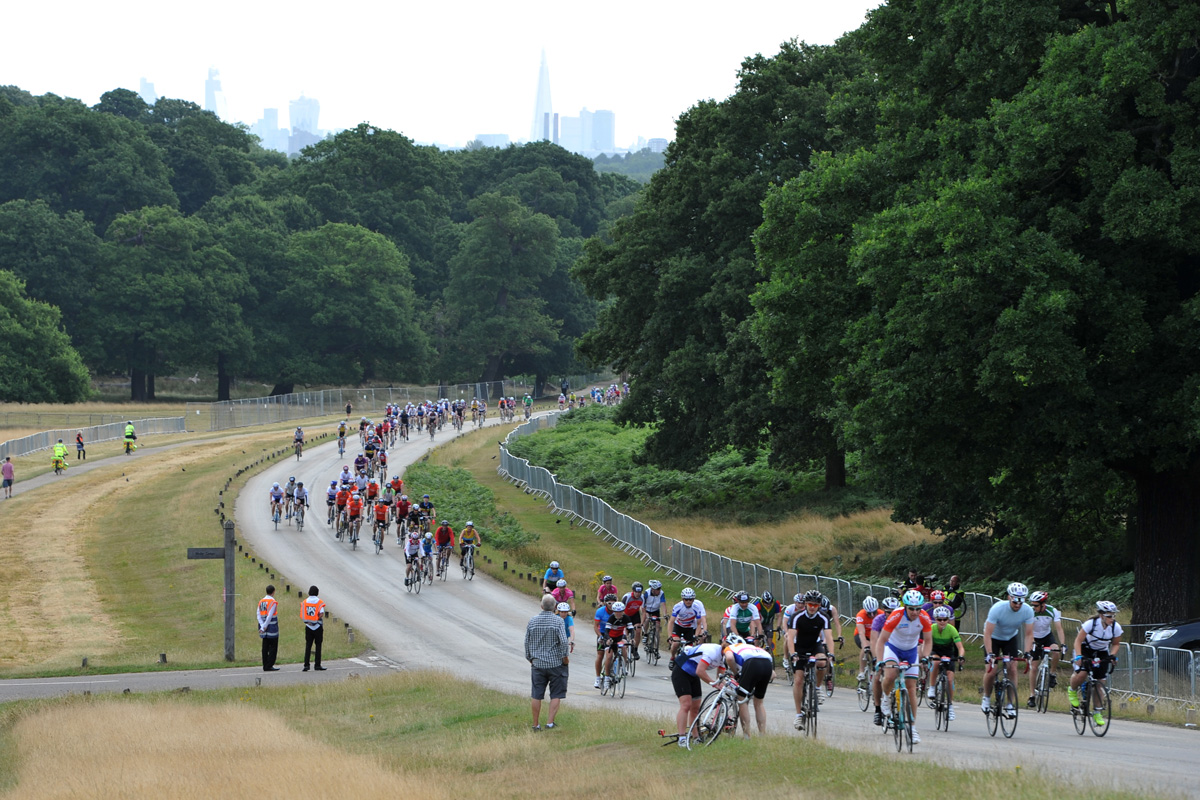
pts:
[1007, 632]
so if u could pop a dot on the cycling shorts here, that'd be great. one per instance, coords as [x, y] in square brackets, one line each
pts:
[1004, 647]
[800, 656]
[685, 685]
[1045, 641]
[1100, 670]
[950, 652]
[756, 674]
[409, 559]
[686, 634]
[910, 655]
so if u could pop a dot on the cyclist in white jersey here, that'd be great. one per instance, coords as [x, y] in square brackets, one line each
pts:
[754, 668]
[655, 599]
[689, 621]
[1047, 636]
[904, 629]
[412, 551]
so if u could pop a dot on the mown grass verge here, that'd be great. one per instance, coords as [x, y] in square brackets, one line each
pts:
[423, 734]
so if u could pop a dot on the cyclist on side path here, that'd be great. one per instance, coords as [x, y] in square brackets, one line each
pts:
[1047, 636]
[130, 437]
[946, 643]
[60, 453]
[906, 632]
[298, 438]
[1008, 631]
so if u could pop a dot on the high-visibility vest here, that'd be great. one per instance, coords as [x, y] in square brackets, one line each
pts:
[312, 611]
[267, 612]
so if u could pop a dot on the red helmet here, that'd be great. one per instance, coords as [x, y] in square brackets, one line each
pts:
[937, 597]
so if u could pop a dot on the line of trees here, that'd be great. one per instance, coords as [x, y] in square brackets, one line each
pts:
[169, 240]
[963, 242]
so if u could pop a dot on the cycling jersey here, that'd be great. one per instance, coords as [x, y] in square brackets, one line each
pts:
[605, 590]
[653, 602]
[381, 512]
[633, 604]
[1043, 621]
[444, 536]
[686, 617]
[905, 632]
[277, 495]
[412, 545]
[615, 625]
[290, 490]
[1008, 623]
[768, 613]
[331, 496]
[790, 613]
[562, 595]
[745, 652]
[468, 536]
[693, 655]
[355, 506]
[740, 617]
[301, 497]
[810, 630]
[1097, 636]
[945, 637]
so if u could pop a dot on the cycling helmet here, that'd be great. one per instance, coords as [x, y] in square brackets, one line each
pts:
[333, 483]
[618, 607]
[813, 596]
[445, 522]
[637, 587]
[937, 597]
[426, 497]
[357, 496]
[429, 536]
[768, 597]
[345, 467]
[913, 598]
[688, 594]
[553, 564]
[275, 485]
[742, 597]
[870, 605]
[890, 603]
[395, 477]
[1017, 591]
[299, 483]
[1039, 597]
[561, 583]
[292, 479]
[563, 607]
[798, 598]
[733, 638]
[470, 524]
[60, 441]
[942, 612]
[1105, 607]
[606, 579]
[403, 497]
[128, 422]
[655, 584]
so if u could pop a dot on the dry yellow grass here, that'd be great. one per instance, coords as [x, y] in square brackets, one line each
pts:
[169, 750]
[800, 542]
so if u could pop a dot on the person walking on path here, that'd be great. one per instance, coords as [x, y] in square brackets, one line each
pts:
[9, 475]
[268, 629]
[80, 448]
[312, 612]
[546, 650]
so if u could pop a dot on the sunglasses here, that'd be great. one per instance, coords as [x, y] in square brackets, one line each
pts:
[1108, 616]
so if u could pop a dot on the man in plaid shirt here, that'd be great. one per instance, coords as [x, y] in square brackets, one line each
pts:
[546, 651]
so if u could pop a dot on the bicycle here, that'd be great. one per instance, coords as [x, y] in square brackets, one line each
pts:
[341, 446]
[1004, 710]
[300, 516]
[900, 721]
[329, 516]
[922, 682]
[378, 535]
[355, 526]
[60, 465]
[941, 695]
[129, 447]
[415, 575]
[443, 561]
[1093, 697]
[789, 669]
[863, 687]
[275, 512]
[1041, 691]
[811, 703]
[468, 563]
[718, 712]
[432, 430]
[620, 672]
[299, 449]
[650, 641]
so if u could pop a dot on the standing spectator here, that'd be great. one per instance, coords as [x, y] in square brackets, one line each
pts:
[80, 448]
[956, 599]
[9, 477]
[349, 408]
[914, 580]
[547, 651]
[268, 629]
[312, 613]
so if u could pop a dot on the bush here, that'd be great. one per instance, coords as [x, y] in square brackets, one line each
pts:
[458, 497]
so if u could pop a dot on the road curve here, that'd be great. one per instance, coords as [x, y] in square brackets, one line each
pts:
[475, 629]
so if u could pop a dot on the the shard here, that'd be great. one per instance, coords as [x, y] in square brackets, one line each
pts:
[543, 112]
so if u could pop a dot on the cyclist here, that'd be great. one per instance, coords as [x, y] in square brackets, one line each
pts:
[331, 496]
[936, 598]
[689, 622]
[862, 632]
[633, 601]
[768, 611]
[426, 509]
[754, 668]
[599, 621]
[606, 589]
[444, 537]
[792, 609]
[382, 514]
[403, 509]
[563, 594]
[397, 485]
[1008, 631]
[564, 610]
[695, 660]
[553, 576]
[346, 476]
[528, 401]
[412, 551]
[130, 437]
[300, 498]
[652, 604]
[372, 490]
[342, 499]
[298, 439]
[354, 508]
[946, 643]
[469, 537]
[809, 635]
[276, 496]
[289, 496]
[741, 618]
[904, 637]
[341, 429]
[1099, 640]
[1047, 633]
[360, 464]
[889, 605]
[614, 637]
[60, 453]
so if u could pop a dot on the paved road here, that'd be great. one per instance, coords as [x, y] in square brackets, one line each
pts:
[476, 629]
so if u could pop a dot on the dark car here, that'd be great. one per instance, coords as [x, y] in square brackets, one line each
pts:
[1183, 635]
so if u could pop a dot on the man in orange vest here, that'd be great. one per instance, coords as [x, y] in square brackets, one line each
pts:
[312, 614]
[268, 629]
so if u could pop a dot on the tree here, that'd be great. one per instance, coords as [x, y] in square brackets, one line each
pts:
[1024, 349]
[37, 362]
[493, 295]
[124, 103]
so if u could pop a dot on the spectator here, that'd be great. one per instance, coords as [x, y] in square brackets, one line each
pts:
[9, 475]
[547, 651]
[268, 629]
[312, 614]
[349, 408]
[914, 581]
[955, 598]
[80, 448]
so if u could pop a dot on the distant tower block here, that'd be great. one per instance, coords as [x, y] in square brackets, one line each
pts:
[542, 107]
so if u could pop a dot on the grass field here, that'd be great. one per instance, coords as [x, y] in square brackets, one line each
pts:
[423, 734]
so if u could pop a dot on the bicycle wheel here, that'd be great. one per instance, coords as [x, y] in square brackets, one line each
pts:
[1100, 705]
[1043, 686]
[922, 685]
[1079, 715]
[811, 704]
[445, 566]
[417, 583]
[898, 701]
[941, 699]
[300, 519]
[622, 676]
[409, 581]
[1009, 723]
[789, 671]
[864, 694]
[709, 722]
[605, 685]
[906, 719]
[629, 659]
[993, 715]
[427, 569]
[354, 537]
[378, 539]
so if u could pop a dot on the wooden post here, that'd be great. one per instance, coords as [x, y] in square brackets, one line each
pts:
[226, 554]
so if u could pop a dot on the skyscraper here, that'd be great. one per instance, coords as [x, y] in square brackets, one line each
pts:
[146, 92]
[604, 131]
[303, 114]
[214, 98]
[543, 110]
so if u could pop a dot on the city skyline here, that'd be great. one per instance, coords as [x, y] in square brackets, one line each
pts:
[412, 70]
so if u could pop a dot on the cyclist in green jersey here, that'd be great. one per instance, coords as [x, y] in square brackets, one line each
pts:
[946, 642]
[742, 618]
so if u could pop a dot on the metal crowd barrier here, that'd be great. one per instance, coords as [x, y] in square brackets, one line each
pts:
[96, 433]
[1144, 670]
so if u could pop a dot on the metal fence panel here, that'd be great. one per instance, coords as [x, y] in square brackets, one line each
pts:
[44, 440]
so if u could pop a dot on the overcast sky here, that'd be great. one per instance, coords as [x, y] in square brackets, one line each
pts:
[437, 72]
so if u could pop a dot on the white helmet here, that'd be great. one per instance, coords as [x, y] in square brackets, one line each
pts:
[618, 607]
[688, 594]
[564, 607]
[429, 536]
[870, 605]
[942, 612]
[1105, 607]
[1017, 591]
[553, 565]
[733, 638]
[561, 583]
